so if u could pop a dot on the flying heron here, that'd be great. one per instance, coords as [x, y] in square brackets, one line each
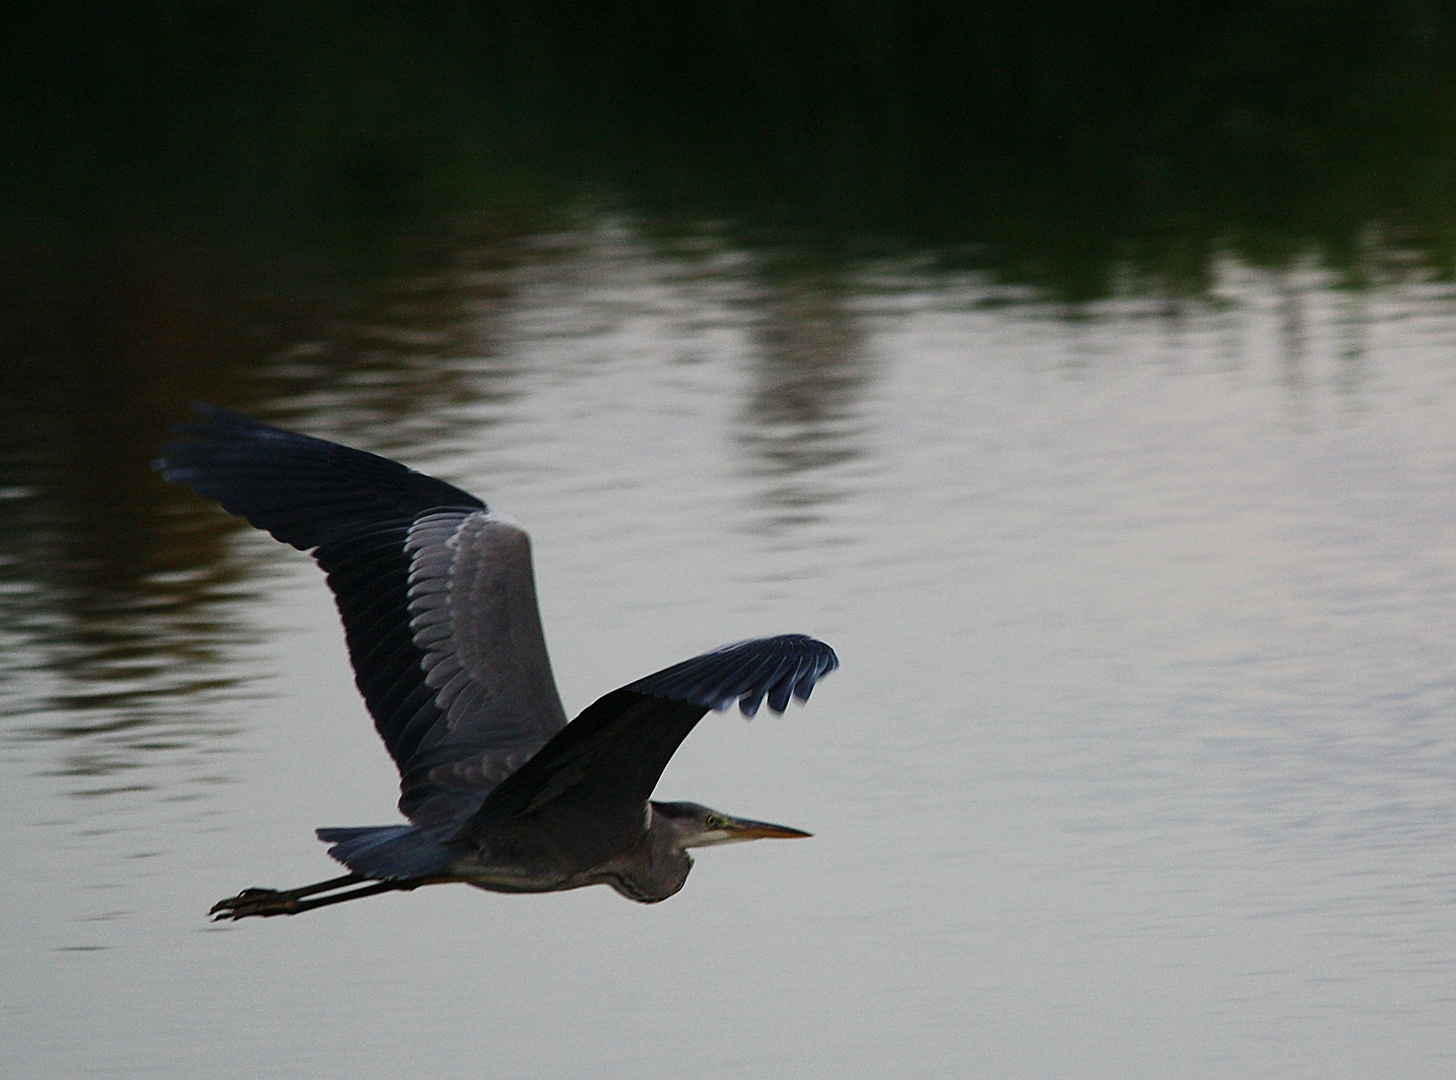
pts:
[439, 609]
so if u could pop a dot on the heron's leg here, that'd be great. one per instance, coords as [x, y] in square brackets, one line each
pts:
[265, 902]
[372, 889]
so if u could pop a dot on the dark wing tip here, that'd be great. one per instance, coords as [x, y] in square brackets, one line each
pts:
[776, 669]
[218, 427]
[306, 491]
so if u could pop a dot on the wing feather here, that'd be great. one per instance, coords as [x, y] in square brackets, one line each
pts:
[460, 689]
[473, 613]
[303, 490]
[605, 763]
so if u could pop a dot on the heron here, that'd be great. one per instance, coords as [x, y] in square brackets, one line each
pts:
[438, 600]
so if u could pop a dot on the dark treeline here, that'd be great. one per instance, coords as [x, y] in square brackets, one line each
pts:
[1048, 141]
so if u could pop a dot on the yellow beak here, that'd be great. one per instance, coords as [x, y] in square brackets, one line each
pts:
[743, 829]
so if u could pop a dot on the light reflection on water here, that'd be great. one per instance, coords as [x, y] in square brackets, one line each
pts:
[1140, 762]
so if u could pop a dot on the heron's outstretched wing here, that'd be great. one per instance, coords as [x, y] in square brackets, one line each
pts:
[595, 776]
[436, 595]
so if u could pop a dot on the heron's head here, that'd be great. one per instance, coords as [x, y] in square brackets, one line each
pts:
[691, 825]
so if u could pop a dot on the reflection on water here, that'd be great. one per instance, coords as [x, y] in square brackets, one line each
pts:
[387, 366]
[112, 601]
[119, 587]
[1139, 762]
[803, 423]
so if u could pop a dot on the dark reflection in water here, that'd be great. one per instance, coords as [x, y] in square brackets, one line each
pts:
[117, 586]
[388, 366]
[111, 582]
[1352, 371]
[1293, 339]
[801, 422]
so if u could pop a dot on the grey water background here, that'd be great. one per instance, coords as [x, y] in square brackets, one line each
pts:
[1086, 376]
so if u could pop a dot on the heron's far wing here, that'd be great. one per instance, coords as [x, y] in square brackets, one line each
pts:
[608, 760]
[383, 534]
[474, 617]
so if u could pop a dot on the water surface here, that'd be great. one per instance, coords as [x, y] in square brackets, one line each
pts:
[1139, 763]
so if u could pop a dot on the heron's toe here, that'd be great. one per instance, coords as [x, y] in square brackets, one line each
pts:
[259, 902]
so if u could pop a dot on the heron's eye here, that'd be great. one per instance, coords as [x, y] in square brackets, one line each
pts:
[716, 821]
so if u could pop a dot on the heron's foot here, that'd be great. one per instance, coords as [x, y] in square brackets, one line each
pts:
[260, 902]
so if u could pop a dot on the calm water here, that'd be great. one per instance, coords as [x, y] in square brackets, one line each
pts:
[1140, 763]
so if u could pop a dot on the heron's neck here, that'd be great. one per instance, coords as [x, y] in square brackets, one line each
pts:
[654, 869]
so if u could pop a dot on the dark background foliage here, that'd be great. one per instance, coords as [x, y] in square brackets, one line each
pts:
[1049, 142]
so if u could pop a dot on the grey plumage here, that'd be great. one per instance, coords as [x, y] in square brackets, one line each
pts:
[438, 602]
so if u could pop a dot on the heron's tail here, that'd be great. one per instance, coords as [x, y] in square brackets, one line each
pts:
[387, 852]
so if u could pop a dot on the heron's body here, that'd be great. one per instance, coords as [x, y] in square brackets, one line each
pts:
[647, 867]
[439, 608]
